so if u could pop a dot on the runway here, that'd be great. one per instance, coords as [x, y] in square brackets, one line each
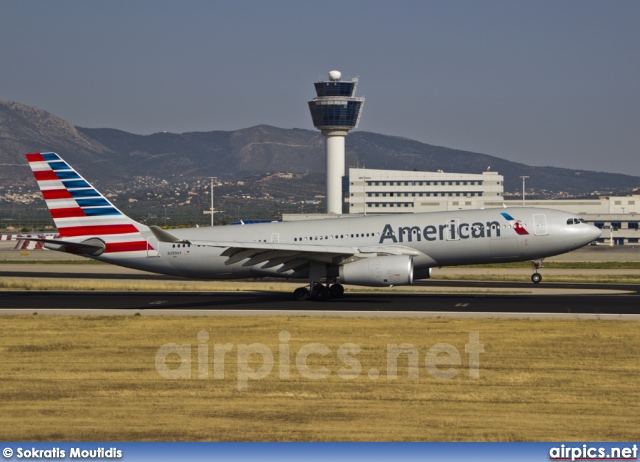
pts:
[352, 304]
[448, 297]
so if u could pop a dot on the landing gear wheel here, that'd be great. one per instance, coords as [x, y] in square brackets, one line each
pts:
[336, 290]
[319, 293]
[536, 278]
[301, 293]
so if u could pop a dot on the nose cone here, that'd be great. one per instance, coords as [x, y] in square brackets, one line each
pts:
[594, 233]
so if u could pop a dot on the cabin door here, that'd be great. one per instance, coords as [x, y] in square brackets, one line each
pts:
[540, 223]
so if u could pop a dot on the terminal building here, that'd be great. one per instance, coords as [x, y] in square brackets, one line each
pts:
[396, 191]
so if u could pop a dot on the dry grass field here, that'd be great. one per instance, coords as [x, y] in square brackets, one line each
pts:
[95, 378]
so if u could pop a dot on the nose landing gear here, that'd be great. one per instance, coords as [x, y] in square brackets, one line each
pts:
[536, 277]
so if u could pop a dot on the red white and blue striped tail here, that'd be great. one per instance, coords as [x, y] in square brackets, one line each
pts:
[80, 212]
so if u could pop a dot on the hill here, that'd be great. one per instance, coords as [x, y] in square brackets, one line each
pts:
[115, 157]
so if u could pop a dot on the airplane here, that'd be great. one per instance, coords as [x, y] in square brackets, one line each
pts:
[376, 250]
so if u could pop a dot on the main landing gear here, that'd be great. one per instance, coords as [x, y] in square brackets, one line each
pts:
[319, 292]
[536, 277]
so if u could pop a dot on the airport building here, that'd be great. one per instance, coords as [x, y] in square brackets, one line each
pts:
[396, 191]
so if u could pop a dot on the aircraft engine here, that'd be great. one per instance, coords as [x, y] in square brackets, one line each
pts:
[424, 273]
[393, 270]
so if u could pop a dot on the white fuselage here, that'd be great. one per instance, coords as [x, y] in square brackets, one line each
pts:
[442, 238]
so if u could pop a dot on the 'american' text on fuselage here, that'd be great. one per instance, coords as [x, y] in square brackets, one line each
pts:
[448, 231]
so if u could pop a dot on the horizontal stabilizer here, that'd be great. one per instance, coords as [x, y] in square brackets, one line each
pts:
[91, 247]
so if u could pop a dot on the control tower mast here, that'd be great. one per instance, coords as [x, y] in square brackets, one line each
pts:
[335, 111]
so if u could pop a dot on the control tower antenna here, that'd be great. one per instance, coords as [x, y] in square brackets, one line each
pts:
[335, 111]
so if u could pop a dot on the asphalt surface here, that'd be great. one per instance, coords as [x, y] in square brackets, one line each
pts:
[583, 299]
[353, 302]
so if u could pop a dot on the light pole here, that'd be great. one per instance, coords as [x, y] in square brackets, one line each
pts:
[523, 178]
[212, 178]
[364, 188]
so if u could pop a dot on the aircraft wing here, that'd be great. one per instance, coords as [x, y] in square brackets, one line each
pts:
[291, 256]
[294, 257]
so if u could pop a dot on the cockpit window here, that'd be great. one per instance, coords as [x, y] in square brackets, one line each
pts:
[575, 221]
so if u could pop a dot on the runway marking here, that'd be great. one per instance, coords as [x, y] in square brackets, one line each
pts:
[462, 305]
[159, 302]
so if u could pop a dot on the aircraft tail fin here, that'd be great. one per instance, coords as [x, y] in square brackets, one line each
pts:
[79, 210]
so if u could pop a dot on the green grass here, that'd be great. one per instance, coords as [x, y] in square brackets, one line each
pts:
[563, 265]
[99, 285]
[573, 279]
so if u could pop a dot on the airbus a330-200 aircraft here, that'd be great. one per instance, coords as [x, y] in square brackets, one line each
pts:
[380, 250]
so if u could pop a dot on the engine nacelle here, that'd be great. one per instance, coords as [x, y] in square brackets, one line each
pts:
[424, 273]
[393, 270]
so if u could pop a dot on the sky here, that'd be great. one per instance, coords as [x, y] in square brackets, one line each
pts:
[538, 82]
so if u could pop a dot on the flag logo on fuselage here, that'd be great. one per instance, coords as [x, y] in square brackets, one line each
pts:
[517, 224]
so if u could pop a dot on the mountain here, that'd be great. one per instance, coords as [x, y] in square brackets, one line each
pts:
[114, 157]
[227, 155]
[26, 129]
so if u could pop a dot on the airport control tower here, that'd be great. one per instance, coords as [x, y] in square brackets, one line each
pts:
[335, 111]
